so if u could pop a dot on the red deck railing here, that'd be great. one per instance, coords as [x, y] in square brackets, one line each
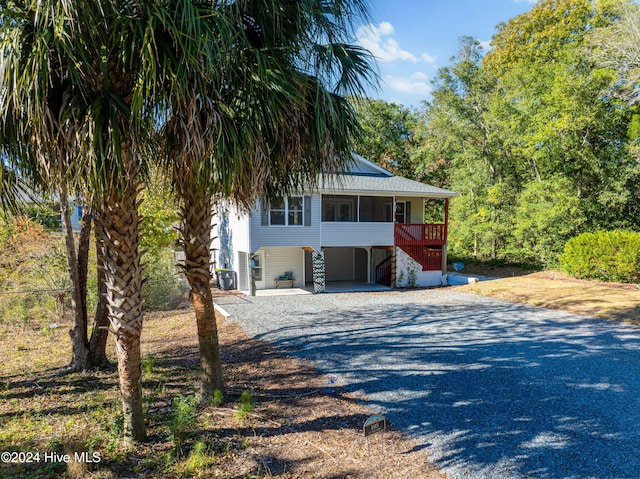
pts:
[423, 242]
[432, 234]
[384, 271]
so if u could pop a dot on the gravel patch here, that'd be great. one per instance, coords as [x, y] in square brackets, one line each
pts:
[491, 389]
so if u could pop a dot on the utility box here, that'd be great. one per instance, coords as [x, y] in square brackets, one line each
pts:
[227, 280]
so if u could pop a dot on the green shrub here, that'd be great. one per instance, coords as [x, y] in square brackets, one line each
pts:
[164, 288]
[604, 255]
[245, 406]
[148, 362]
[218, 398]
[182, 421]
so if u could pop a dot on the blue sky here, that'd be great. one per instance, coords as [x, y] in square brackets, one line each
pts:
[413, 38]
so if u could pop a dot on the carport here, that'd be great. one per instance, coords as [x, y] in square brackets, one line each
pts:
[343, 264]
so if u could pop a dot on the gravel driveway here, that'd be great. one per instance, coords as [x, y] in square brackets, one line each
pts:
[491, 389]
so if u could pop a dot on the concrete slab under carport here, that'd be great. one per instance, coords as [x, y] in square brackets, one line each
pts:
[330, 287]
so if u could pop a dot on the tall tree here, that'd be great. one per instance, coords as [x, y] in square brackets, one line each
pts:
[114, 64]
[387, 136]
[40, 144]
[268, 123]
[551, 106]
[617, 46]
[460, 149]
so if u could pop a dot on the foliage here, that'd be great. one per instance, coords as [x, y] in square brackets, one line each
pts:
[387, 135]
[245, 406]
[32, 271]
[218, 398]
[164, 288]
[616, 47]
[161, 216]
[182, 421]
[148, 362]
[604, 255]
[45, 214]
[199, 462]
[531, 137]
[548, 213]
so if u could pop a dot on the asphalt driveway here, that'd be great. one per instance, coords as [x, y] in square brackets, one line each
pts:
[491, 389]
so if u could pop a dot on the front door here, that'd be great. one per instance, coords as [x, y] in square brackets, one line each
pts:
[401, 211]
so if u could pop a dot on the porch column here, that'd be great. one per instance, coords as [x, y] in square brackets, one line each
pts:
[317, 258]
[446, 236]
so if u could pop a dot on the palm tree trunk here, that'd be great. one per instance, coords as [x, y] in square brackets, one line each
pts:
[100, 329]
[121, 264]
[196, 234]
[78, 332]
[84, 243]
[210, 363]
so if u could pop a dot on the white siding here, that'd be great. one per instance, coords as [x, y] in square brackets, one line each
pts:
[417, 209]
[264, 236]
[357, 234]
[279, 260]
[243, 271]
[230, 235]
[406, 267]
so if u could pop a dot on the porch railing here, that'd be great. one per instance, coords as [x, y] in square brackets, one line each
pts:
[410, 234]
[429, 258]
[384, 271]
[423, 242]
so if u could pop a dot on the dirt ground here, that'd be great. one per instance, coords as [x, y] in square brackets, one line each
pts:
[555, 290]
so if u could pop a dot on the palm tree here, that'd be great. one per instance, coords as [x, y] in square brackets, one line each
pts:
[113, 64]
[267, 124]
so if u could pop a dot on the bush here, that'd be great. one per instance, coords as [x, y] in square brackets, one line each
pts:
[604, 255]
[182, 421]
[163, 289]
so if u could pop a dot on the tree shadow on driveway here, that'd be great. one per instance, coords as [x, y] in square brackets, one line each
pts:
[490, 388]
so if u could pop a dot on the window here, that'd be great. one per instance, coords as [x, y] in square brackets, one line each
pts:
[278, 212]
[340, 208]
[294, 211]
[287, 211]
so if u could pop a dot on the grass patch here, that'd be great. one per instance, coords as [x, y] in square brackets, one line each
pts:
[246, 406]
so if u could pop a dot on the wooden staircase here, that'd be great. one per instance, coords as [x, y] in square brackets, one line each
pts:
[422, 242]
[385, 271]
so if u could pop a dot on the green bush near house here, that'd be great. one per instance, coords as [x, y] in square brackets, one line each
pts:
[604, 255]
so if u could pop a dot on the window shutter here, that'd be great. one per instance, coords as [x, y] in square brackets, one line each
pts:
[264, 210]
[307, 210]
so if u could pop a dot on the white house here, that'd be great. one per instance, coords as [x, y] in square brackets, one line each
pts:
[365, 225]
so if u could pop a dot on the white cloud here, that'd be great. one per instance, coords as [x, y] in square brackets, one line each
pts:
[419, 76]
[413, 85]
[378, 39]
[428, 58]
